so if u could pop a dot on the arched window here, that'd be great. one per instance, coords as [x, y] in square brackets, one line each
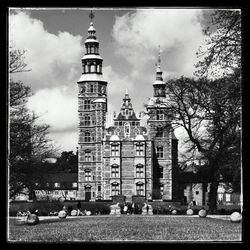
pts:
[114, 171]
[87, 137]
[115, 189]
[92, 69]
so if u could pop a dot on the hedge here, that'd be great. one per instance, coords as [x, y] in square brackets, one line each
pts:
[45, 207]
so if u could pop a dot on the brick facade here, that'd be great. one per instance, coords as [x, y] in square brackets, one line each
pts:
[128, 158]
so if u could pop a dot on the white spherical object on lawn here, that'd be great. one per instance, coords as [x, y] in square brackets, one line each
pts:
[236, 217]
[88, 213]
[174, 211]
[202, 213]
[62, 214]
[73, 213]
[190, 211]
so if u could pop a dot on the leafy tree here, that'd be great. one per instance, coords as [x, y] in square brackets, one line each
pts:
[210, 112]
[67, 162]
[28, 141]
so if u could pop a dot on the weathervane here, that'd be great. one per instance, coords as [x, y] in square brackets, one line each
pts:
[91, 15]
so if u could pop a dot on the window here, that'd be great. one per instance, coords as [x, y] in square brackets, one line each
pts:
[86, 120]
[86, 104]
[114, 171]
[139, 149]
[139, 171]
[99, 188]
[161, 189]
[74, 184]
[114, 189]
[87, 156]
[47, 184]
[160, 173]
[87, 175]
[127, 129]
[120, 123]
[87, 137]
[139, 188]
[159, 115]
[92, 89]
[196, 192]
[114, 149]
[57, 184]
[159, 152]
[159, 132]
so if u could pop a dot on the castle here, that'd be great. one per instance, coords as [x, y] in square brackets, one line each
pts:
[129, 158]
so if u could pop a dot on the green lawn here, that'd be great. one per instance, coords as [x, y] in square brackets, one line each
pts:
[127, 228]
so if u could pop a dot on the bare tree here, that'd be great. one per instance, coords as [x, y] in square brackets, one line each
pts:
[222, 51]
[28, 141]
[210, 112]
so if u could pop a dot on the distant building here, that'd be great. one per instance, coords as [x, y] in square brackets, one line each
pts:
[58, 186]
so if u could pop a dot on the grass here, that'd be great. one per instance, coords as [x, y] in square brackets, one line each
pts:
[126, 228]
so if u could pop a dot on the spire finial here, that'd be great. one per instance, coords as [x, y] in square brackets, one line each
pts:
[91, 15]
[126, 93]
[159, 60]
[159, 56]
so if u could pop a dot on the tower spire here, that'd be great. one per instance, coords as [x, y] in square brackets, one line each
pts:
[159, 60]
[159, 84]
[91, 16]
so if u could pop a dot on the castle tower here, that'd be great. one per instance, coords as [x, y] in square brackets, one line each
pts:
[164, 146]
[92, 108]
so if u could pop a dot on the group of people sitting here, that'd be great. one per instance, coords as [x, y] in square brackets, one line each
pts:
[26, 213]
[129, 208]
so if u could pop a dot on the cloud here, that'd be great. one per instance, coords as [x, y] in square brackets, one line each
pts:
[177, 31]
[56, 107]
[66, 141]
[54, 60]
[117, 84]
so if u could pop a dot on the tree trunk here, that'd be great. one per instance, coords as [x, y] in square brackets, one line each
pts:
[32, 195]
[212, 203]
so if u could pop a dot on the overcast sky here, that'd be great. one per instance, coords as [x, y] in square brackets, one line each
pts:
[129, 40]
